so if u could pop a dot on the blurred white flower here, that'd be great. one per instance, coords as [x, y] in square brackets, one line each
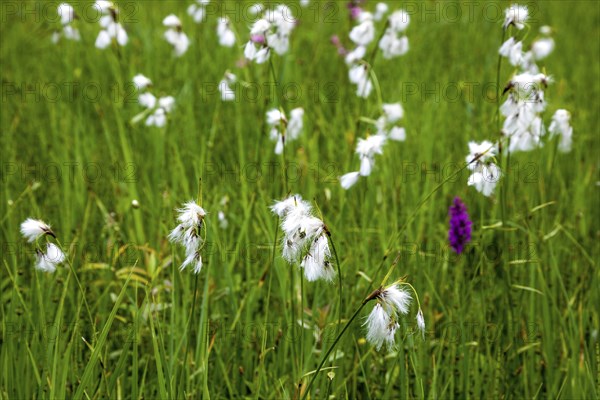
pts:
[485, 178]
[397, 133]
[393, 46]
[256, 9]
[281, 18]
[295, 124]
[275, 117]
[399, 21]
[522, 111]
[545, 30]
[197, 10]
[366, 150]
[159, 117]
[348, 180]
[159, 108]
[512, 50]
[385, 124]
[484, 173]
[271, 32]
[282, 207]
[227, 94]
[48, 261]
[283, 131]
[103, 40]
[175, 35]
[359, 75]
[32, 229]
[393, 112]
[516, 15]
[260, 26]
[258, 53]
[141, 82]
[542, 48]
[223, 223]
[363, 33]
[224, 32]
[355, 55]
[147, 100]
[480, 153]
[421, 322]
[66, 13]
[380, 10]
[104, 6]
[112, 29]
[561, 126]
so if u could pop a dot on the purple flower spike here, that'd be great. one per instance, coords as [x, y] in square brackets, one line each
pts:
[459, 233]
[355, 12]
[335, 40]
[354, 8]
[260, 39]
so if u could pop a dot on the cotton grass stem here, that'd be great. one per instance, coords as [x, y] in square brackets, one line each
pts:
[339, 269]
[499, 130]
[87, 307]
[330, 349]
[189, 323]
[371, 64]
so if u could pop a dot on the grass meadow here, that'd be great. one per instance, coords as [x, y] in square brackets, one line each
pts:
[514, 316]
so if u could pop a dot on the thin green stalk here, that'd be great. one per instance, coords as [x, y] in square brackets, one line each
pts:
[370, 64]
[87, 306]
[280, 106]
[284, 170]
[337, 262]
[339, 268]
[277, 94]
[503, 188]
[294, 315]
[498, 68]
[302, 323]
[266, 310]
[377, 88]
[189, 325]
[376, 48]
[330, 349]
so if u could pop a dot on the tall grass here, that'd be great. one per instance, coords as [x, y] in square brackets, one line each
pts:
[513, 316]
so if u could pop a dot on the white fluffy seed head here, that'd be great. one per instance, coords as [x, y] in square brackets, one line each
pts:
[48, 261]
[381, 327]
[396, 299]
[348, 180]
[516, 15]
[66, 13]
[188, 233]
[32, 229]
[141, 82]
[421, 322]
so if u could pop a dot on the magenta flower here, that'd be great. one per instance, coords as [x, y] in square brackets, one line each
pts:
[260, 39]
[335, 40]
[354, 8]
[459, 233]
